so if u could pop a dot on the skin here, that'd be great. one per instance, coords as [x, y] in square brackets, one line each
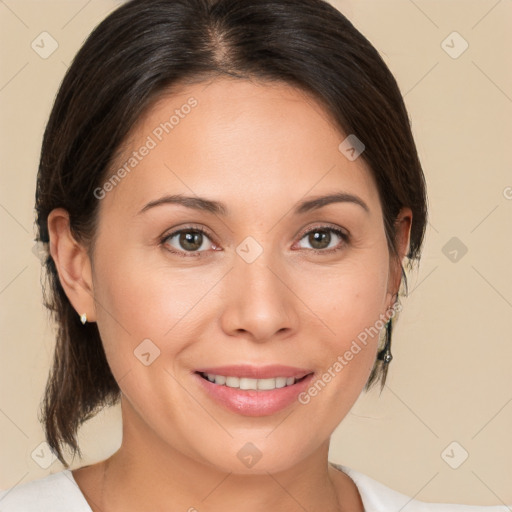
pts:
[259, 148]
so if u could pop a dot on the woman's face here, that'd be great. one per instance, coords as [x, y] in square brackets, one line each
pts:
[267, 283]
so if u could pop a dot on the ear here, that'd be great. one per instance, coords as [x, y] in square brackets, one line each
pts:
[402, 227]
[73, 264]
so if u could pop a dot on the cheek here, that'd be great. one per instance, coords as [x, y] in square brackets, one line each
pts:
[352, 313]
[349, 301]
[140, 299]
[349, 297]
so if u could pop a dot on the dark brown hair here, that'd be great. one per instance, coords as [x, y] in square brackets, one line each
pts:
[144, 49]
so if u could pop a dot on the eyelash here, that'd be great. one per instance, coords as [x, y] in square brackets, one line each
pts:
[192, 229]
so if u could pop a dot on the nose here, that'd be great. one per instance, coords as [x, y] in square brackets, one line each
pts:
[260, 303]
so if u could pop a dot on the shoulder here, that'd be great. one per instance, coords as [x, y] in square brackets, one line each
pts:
[57, 492]
[377, 497]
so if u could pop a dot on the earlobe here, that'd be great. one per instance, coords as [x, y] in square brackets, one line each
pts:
[73, 264]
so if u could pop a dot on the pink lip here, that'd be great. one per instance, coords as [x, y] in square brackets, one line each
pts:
[256, 372]
[251, 402]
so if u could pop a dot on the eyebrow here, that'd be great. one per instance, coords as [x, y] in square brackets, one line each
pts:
[218, 208]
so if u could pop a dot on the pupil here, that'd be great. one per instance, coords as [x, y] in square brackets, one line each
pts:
[191, 241]
[320, 236]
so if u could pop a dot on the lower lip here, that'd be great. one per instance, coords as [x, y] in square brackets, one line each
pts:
[251, 402]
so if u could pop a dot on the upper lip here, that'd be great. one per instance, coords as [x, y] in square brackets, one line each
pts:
[256, 372]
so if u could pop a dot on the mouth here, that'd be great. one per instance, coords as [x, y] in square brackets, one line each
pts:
[248, 383]
[252, 391]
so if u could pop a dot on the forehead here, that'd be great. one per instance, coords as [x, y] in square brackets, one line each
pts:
[237, 139]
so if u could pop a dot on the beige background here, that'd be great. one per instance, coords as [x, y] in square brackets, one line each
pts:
[450, 380]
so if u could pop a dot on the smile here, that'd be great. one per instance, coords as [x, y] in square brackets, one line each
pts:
[249, 383]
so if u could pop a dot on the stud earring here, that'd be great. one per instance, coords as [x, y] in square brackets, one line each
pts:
[83, 318]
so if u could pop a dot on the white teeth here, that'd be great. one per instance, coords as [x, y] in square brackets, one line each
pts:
[220, 379]
[265, 384]
[232, 382]
[248, 383]
[280, 382]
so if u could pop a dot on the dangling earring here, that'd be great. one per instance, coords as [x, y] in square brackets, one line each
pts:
[385, 354]
[83, 318]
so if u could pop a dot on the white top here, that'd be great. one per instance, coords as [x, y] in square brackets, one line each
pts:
[59, 492]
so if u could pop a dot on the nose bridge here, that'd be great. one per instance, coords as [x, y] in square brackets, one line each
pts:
[255, 271]
[258, 300]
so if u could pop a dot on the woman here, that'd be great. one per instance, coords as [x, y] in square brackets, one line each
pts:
[227, 191]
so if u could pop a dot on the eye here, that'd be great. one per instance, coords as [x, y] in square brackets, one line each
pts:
[320, 239]
[187, 240]
[192, 241]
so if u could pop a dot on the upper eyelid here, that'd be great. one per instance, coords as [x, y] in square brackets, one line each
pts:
[185, 229]
[326, 226]
[190, 227]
